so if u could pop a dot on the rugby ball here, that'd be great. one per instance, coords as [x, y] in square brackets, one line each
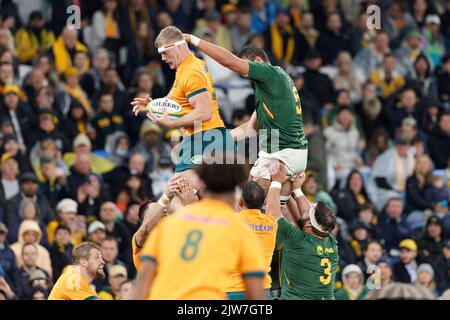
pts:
[157, 106]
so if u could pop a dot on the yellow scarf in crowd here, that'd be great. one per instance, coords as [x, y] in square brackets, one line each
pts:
[62, 56]
[78, 94]
[111, 28]
[278, 45]
[400, 174]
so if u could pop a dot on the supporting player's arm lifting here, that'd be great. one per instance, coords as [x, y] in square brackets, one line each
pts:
[151, 218]
[144, 280]
[300, 199]
[247, 129]
[221, 55]
[273, 195]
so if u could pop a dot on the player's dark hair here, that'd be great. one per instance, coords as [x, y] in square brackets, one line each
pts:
[253, 195]
[325, 216]
[251, 52]
[142, 210]
[223, 175]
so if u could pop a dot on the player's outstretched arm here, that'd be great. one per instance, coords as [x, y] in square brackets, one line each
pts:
[153, 214]
[273, 195]
[219, 54]
[144, 280]
[300, 199]
[246, 130]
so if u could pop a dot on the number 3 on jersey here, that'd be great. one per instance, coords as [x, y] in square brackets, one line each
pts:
[190, 248]
[325, 263]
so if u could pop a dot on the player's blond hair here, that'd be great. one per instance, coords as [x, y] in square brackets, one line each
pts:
[168, 35]
[83, 251]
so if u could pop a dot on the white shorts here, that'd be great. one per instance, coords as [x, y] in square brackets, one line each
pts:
[294, 160]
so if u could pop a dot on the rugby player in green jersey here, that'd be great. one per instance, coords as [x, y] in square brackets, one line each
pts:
[278, 113]
[310, 251]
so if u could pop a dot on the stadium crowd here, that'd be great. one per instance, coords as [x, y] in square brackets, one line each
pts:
[76, 163]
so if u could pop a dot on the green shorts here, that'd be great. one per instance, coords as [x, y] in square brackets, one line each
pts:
[193, 147]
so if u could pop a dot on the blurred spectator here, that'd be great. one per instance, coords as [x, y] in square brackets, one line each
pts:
[161, 175]
[430, 118]
[7, 40]
[101, 62]
[46, 100]
[29, 189]
[74, 91]
[117, 275]
[34, 38]
[10, 145]
[406, 269]
[39, 293]
[29, 256]
[76, 121]
[378, 144]
[110, 82]
[79, 175]
[332, 40]
[127, 290]
[19, 114]
[323, 87]
[354, 288]
[7, 257]
[64, 49]
[109, 27]
[67, 210]
[263, 14]
[52, 180]
[177, 11]
[420, 77]
[415, 188]
[387, 79]
[131, 217]
[360, 35]
[433, 43]
[372, 253]
[346, 254]
[27, 212]
[393, 227]
[48, 129]
[314, 193]
[425, 278]
[133, 191]
[48, 149]
[281, 39]
[96, 233]
[81, 63]
[371, 111]
[108, 215]
[110, 250]
[317, 156]
[432, 241]
[408, 52]
[91, 195]
[30, 233]
[241, 31]
[359, 238]
[420, 10]
[439, 141]
[310, 103]
[405, 108]
[443, 81]
[82, 146]
[106, 122]
[345, 78]
[386, 272]
[61, 250]
[150, 144]
[397, 22]
[9, 170]
[308, 35]
[371, 57]
[216, 29]
[438, 195]
[442, 268]
[136, 165]
[349, 199]
[368, 216]
[117, 146]
[392, 168]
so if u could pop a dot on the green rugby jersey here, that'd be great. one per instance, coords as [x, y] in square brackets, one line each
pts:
[309, 264]
[278, 107]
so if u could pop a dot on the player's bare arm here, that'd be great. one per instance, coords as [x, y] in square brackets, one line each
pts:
[140, 104]
[144, 280]
[300, 199]
[202, 112]
[221, 55]
[246, 130]
[152, 216]
[273, 195]
[253, 287]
